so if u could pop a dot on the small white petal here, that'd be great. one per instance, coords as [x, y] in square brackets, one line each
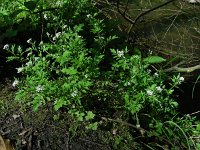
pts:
[65, 26]
[120, 53]
[16, 82]
[159, 89]
[29, 63]
[48, 34]
[45, 17]
[156, 74]
[36, 58]
[39, 88]
[181, 79]
[6, 47]
[74, 94]
[19, 70]
[54, 38]
[58, 34]
[149, 92]
[29, 41]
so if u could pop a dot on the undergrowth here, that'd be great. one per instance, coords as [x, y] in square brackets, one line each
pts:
[73, 67]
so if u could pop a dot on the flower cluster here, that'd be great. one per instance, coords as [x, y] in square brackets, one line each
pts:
[39, 88]
[74, 94]
[120, 53]
[159, 89]
[149, 92]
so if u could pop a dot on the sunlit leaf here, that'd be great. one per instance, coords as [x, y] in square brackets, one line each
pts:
[154, 59]
[89, 116]
[16, 12]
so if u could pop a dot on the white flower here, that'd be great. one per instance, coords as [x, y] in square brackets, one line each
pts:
[30, 53]
[45, 17]
[155, 74]
[181, 79]
[148, 70]
[89, 16]
[127, 84]
[48, 34]
[29, 41]
[149, 92]
[59, 3]
[86, 76]
[36, 58]
[65, 26]
[120, 53]
[29, 63]
[58, 34]
[150, 52]
[16, 82]
[41, 43]
[6, 47]
[19, 69]
[159, 89]
[39, 88]
[54, 38]
[74, 94]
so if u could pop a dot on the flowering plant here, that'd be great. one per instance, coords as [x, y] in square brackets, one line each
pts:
[76, 70]
[139, 88]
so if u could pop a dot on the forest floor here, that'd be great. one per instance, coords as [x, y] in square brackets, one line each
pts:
[28, 130]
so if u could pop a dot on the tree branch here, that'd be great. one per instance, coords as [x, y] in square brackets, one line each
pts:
[176, 68]
[133, 22]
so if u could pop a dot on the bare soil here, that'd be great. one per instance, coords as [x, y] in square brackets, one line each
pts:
[28, 130]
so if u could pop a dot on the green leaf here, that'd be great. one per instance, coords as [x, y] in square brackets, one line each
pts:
[59, 103]
[137, 52]
[79, 27]
[89, 116]
[10, 33]
[198, 127]
[70, 71]
[31, 5]
[16, 12]
[113, 51]
[154, 59]
[80, 116]
[92, 126]
[198, 146]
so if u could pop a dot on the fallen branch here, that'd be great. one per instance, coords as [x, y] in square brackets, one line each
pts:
[141, 130]
[176, 68]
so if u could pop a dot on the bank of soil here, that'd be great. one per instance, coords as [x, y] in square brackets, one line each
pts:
[28, 130]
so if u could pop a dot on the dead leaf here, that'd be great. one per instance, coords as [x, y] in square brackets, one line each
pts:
[5, 144]
[15, 116]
